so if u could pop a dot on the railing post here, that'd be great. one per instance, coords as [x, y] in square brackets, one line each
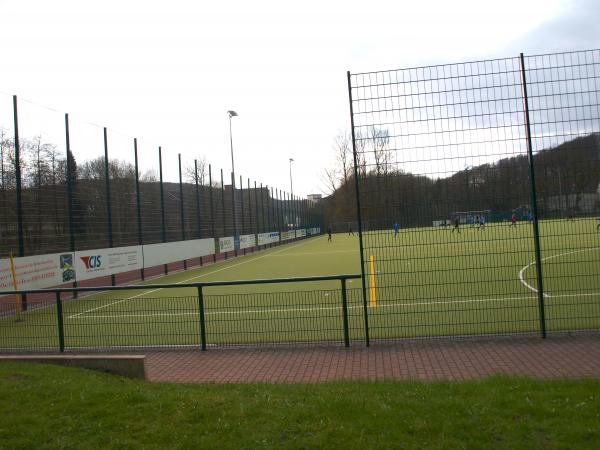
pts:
[202, 318]
[61, 329]
[536, 231]
[345, 313]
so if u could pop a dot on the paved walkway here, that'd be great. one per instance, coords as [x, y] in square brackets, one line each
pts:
[457, 359]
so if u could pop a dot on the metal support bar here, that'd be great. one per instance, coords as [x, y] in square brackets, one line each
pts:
[345, 314]
[108, 203]
[20, 228]
[202, 318]
[243, 230]
[233, 211]
[59, 320]
[198, 223]
[223, 207]
[212, 208]
[536, 231]
[162, 204]
[358, 215]
[181, 213]
[70, 179]
[138, 203]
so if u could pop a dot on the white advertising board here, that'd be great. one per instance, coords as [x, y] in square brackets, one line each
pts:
[301, 233]
[37, 272]
[107, 261]
[287, 235]
[157, 254]
[247, 241]
[226, 244]
[268, 238]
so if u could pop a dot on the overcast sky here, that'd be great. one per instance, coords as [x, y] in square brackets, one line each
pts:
[167, 72]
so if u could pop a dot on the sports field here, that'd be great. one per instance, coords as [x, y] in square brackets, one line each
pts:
[428, 282]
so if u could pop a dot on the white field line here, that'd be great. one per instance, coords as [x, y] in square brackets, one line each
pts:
[530, 287]
[322, 253]
[320, 308]
[185, 281]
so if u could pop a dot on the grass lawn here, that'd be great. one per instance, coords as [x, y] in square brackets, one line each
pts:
[48, 407]
[428, 282]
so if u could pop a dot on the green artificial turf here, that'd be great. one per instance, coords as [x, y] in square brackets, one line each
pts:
[428, 282]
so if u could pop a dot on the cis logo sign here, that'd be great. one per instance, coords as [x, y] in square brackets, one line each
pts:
[92, 262]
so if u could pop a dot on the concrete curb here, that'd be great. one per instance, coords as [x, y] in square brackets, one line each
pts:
[132, 366]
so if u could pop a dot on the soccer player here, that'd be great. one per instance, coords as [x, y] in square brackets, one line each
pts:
[476, 222]
[350, 232]
[396, 228]
[598, 224]
[481, 223]
[456, 225]
[329, 233]
[513, 220]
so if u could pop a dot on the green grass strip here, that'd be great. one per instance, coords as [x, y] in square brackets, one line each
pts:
[47, 407]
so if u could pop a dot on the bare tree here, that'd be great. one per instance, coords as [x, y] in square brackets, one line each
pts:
[193, 176]
[343, 150]
[379, 139]
[330, 179]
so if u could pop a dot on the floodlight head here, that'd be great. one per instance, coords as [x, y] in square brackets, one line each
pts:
[232, 113]
[291, 159]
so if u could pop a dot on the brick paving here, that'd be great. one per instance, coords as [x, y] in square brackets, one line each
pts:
[561, 356]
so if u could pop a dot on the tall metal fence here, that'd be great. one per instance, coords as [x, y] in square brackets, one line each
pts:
[67, 185]
[478, 192]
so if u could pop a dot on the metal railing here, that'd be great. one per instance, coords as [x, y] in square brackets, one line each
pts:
[219, 313]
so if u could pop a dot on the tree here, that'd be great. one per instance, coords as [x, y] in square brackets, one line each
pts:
[379, 139]
[343, 150]
[192, 176]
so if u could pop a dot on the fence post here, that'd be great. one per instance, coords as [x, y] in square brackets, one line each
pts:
[162, 204]
[181, 214]
[212, 209]
[108, 203]
[70, 178]
[269, 210]
[256, 213]
[199, 225]
[202, 318]
[223, 208]
[138, 204]
[358, 215]
[345, 314]
[250, 219]
[243, 230]
[536, 232]
[61, 328]
[262, 209]
[278, 196]
[18, 189]
[235, 252]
